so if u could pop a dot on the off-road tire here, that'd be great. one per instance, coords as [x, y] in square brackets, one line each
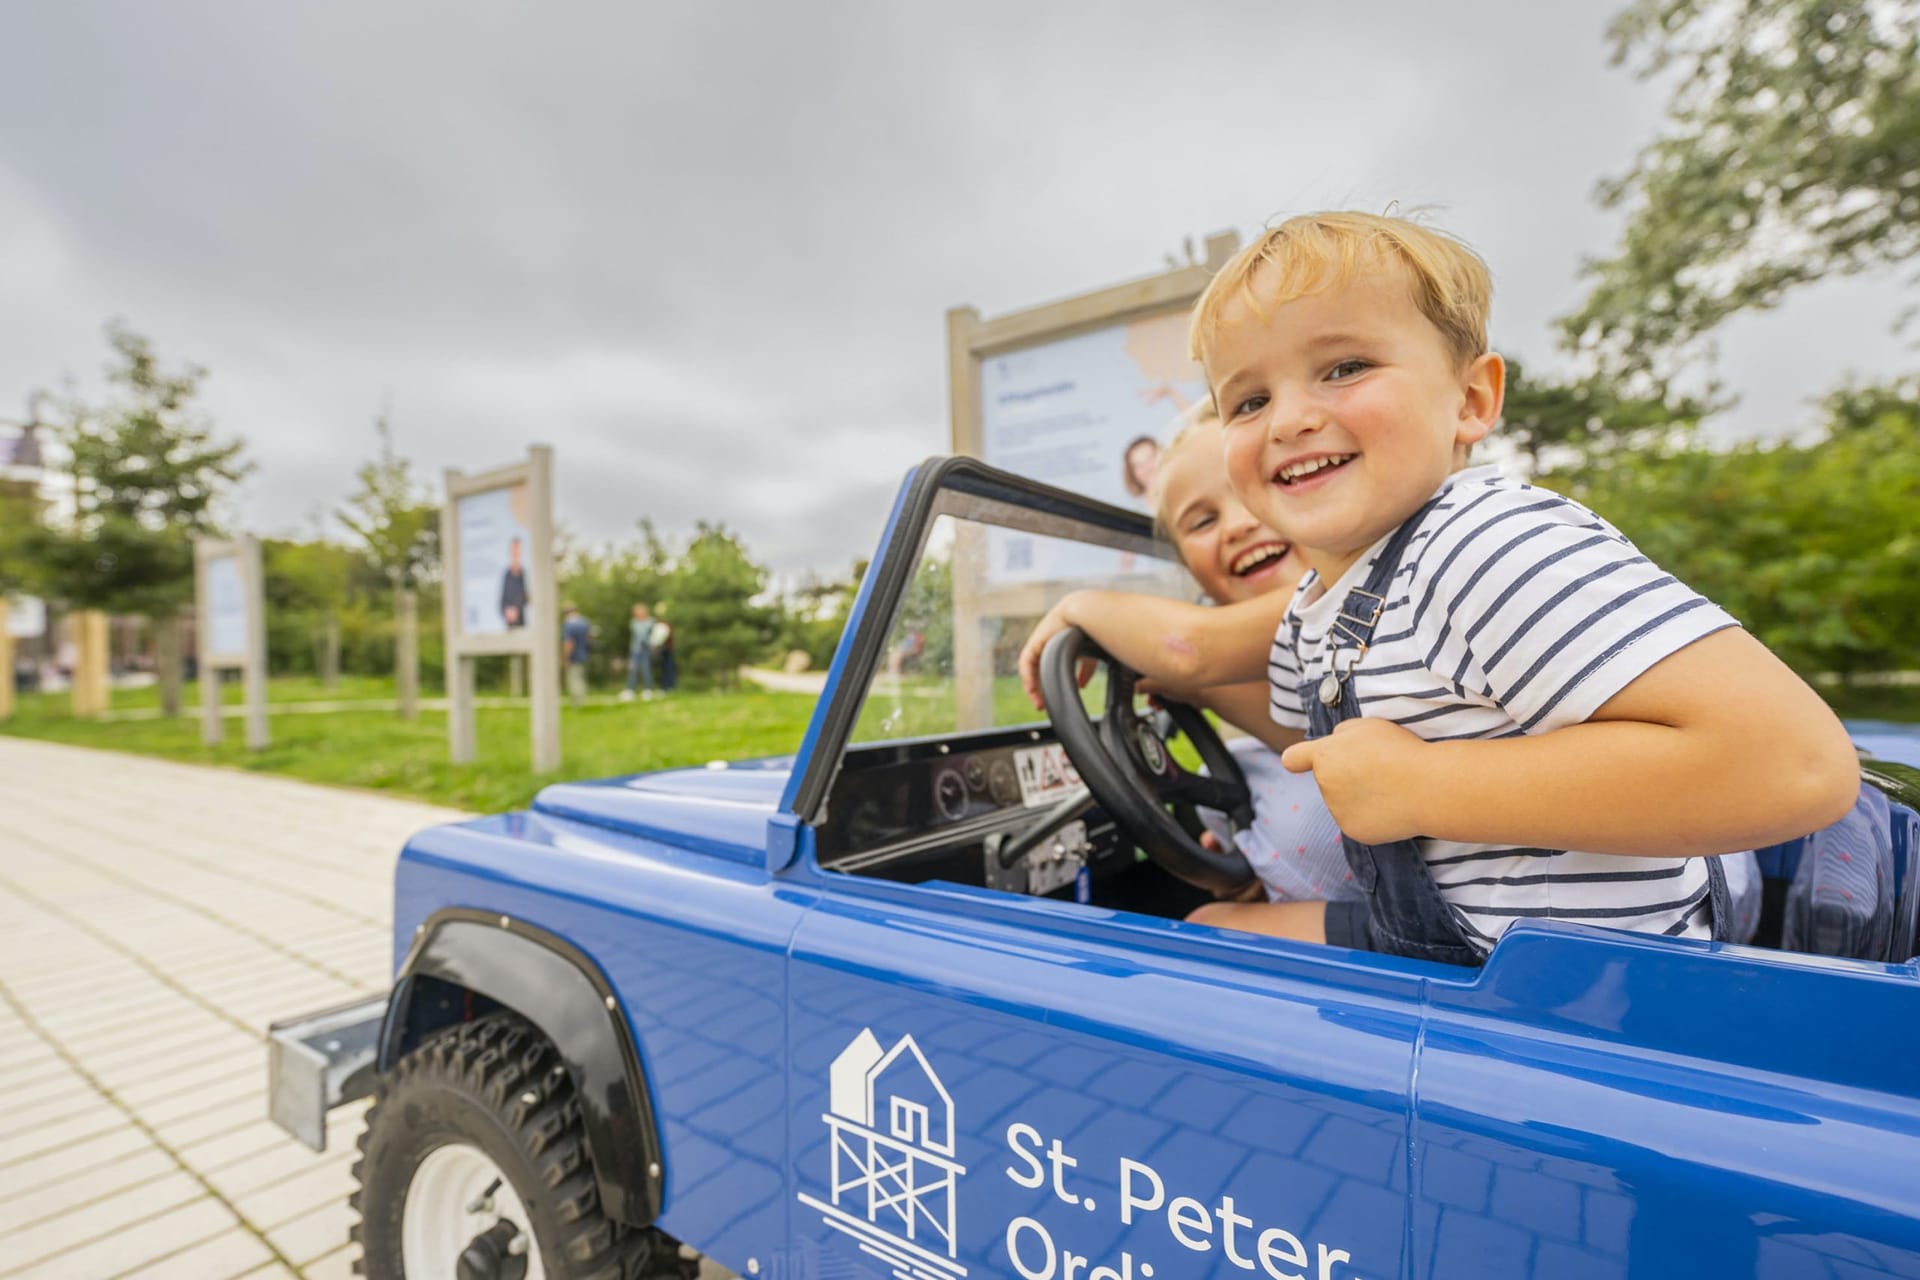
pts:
[497, 1084]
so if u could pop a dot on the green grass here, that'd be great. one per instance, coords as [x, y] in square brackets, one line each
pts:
[378, 750]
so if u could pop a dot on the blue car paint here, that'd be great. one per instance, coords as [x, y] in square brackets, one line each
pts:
[1137, 1097]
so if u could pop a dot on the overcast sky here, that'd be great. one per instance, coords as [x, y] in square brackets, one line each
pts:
[705, 250]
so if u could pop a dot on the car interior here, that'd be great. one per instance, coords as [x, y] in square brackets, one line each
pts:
[949, 776]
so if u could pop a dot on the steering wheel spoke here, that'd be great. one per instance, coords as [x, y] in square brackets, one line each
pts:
[1126, 764]
[1204, 790]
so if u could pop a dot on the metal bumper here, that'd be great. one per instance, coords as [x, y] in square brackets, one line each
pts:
[320, 1061]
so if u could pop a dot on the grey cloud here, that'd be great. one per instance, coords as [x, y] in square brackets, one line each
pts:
[705, 249]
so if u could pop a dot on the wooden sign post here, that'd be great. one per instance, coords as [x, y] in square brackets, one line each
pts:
[6, 663]
[230, 620]
[496, 539]
[1081, 394]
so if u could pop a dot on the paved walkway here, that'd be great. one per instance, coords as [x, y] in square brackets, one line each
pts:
[154, 918]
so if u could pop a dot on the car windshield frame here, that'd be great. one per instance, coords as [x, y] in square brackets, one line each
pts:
[966, 489]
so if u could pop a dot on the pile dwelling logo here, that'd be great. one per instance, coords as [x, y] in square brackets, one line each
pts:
[894, 1178]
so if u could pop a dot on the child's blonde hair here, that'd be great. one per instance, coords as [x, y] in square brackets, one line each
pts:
[1316, 251]
[1188, 426]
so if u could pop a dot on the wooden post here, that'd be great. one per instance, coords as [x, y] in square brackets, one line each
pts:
[166, 661]
[516, 676]
[972, 647]
[544, 619]
[6, 665]
[330, 652]
[89, 695]
[254, 674]
[458, 665]
[212, 727]
[406, 651]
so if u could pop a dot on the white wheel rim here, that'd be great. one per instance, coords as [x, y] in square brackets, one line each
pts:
[435, 1223]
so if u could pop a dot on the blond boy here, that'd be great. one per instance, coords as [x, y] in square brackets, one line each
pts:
[1516, 714]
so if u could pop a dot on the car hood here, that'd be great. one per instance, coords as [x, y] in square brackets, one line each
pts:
[720, 809]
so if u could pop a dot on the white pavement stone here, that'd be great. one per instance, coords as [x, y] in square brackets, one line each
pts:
[154, 917]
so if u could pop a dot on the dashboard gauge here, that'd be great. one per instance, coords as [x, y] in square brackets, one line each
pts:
[1002, 784]
[976, 775]
[949, 794]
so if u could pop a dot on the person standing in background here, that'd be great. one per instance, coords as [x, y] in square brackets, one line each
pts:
[577, 636]
[640, 653]
[661, 638]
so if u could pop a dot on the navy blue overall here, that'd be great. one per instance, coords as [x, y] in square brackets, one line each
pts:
[1406, 916]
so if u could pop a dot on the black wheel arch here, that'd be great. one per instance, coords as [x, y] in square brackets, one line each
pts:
[465, 962]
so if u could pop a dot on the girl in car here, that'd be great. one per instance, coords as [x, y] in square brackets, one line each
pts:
[1293, 846]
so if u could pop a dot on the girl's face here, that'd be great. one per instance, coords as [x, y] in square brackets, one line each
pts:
[1230, 554]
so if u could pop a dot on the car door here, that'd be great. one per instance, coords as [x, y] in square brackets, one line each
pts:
[1611, 1105]
[992, 1087]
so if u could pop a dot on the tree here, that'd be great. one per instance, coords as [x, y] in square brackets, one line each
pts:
[399, 527]
[813, 616]
[1811, 546]
[708, 600]
[1556, 423]
[149, 475]
[307, 583]
[1791, 152]
[396, 521]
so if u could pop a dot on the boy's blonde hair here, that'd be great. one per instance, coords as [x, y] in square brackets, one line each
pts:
[1316, 251]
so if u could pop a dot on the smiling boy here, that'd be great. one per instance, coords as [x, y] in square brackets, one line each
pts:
[1510, 712]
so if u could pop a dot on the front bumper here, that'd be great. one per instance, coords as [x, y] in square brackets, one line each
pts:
[319, 1061]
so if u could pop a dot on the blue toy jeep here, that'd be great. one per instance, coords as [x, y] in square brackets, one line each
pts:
[918, 1002]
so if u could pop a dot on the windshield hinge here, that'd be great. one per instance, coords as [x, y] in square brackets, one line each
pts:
[783, 840]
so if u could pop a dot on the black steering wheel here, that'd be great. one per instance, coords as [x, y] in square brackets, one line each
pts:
[1124, 760]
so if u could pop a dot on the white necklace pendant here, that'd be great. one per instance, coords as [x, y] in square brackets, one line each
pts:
[1330, 689]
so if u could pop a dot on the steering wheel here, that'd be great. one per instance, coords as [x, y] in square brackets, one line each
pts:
[1124, 760]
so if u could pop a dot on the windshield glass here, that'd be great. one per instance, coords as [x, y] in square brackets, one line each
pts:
[987, 572]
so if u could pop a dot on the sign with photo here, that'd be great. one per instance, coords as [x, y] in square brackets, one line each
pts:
[495, 552]
[226, 606]
[1089, 413]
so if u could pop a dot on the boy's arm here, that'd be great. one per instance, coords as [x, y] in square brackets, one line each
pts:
[1716, 748]
[1182, 646]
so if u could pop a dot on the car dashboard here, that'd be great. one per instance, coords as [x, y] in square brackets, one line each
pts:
[944, 809]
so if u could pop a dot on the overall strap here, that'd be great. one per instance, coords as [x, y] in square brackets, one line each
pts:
[1361, 609]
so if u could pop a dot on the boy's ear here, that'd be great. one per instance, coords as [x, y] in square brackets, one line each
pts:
[1483, 390]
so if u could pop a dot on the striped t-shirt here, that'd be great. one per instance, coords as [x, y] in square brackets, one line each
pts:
[1514, 611]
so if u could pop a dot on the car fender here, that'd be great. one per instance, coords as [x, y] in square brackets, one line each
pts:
[459, 954]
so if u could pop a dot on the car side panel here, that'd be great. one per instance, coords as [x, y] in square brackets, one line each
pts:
[1604, 1105]
[695, 950]
[1260, 1081]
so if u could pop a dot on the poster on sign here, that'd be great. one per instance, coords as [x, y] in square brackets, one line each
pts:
[1090, 413]
[226, 607]
[495, 552]
[26, 617]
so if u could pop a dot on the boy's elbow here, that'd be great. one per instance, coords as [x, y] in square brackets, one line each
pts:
[1821, 783]
[1837, 788]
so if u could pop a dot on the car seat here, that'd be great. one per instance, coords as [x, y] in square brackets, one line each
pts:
[1850, 886]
